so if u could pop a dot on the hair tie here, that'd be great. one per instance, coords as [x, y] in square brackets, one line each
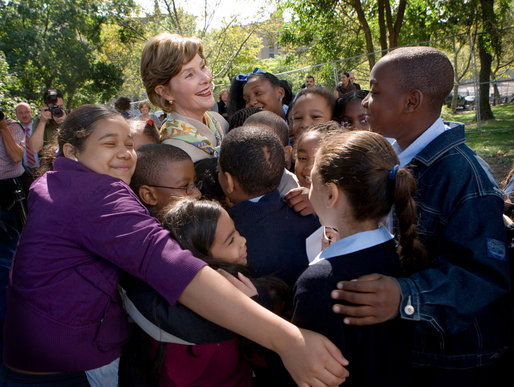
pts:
[149, 122]
[244, 77]
[392, 172]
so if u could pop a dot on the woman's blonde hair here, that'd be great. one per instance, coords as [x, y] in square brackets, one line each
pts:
[162, 58]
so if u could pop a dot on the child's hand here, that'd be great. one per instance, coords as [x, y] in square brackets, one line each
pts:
[243, 283]
[298, 199]
[330, 235]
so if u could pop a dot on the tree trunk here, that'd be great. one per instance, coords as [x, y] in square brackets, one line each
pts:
[382, 26]
[486, 59]
[367, 32]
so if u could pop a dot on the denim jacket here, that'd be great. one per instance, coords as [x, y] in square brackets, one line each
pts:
[461, 303]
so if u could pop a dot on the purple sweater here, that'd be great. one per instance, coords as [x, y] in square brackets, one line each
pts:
[63, 309]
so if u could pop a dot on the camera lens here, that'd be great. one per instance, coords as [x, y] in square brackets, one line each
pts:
[57, 111]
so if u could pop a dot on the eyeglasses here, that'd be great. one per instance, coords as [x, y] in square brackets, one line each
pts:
[190, 189]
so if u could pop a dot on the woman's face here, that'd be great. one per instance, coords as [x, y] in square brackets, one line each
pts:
[224, 96]
[309, 109]
[305, 153]
[228, 246]
[145, 109]
[259, 92]
[344, 79]
[190, 89]
[109, 150]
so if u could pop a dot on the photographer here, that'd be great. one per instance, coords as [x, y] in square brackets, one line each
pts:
[12, 193]
[51, 117]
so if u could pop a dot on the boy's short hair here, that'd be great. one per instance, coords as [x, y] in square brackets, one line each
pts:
[423, 68]
[239, 117]
[273, 121]
[152, 160]
[253, 156]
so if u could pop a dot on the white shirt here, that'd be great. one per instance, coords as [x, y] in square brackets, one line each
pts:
[407, 154]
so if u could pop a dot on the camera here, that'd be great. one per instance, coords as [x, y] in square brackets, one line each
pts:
[50, 99]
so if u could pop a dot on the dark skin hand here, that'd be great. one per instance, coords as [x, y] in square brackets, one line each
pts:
[298, 200]
[376, 299]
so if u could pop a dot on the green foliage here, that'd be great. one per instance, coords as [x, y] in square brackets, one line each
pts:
[53, 44]
[8, 82]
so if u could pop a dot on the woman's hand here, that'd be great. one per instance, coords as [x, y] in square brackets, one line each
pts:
[312, 360]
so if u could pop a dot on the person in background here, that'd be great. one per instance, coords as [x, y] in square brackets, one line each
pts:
[144, 108]
[47, 124]
[461, 305]
[351, 76]
[222, 103]
[345, 86]
[177, 80]
[122, 105]
[309, 81]
[24, 116]
[266, 91]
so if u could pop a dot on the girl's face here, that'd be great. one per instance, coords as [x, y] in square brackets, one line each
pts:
[190, 89]
[309, 109]
[259, 92]
[354, 116]
[306, 151]
[318, 195]
[109, 149]
[228, 246]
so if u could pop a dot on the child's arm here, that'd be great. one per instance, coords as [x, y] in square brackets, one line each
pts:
[310, 358]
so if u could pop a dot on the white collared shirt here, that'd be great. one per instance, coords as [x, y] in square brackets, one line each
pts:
[407, 154]
[355, 242]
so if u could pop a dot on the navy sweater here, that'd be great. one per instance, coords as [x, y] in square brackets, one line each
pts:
[275, 236]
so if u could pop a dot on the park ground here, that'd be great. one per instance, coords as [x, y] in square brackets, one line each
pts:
[494, 141]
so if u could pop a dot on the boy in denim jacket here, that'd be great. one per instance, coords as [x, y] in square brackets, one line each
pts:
[460, 304]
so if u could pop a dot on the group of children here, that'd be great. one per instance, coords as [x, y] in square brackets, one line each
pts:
[324, 179]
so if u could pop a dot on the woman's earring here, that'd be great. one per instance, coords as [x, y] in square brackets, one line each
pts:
[171, 102]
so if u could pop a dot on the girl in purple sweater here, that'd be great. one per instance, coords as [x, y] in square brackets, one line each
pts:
[65, 324]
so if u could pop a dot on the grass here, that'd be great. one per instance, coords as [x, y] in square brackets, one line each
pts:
[495, 140]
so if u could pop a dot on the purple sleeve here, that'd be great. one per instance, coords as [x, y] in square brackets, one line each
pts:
[128, 236]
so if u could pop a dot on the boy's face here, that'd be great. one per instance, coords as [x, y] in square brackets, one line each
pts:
[385, 101]
[177, 176]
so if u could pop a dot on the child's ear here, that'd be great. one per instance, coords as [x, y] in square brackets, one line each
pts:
[414, 101]
[333, 195]
[69, 151]
[147, 195]
[288, 151]
[229, 180]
